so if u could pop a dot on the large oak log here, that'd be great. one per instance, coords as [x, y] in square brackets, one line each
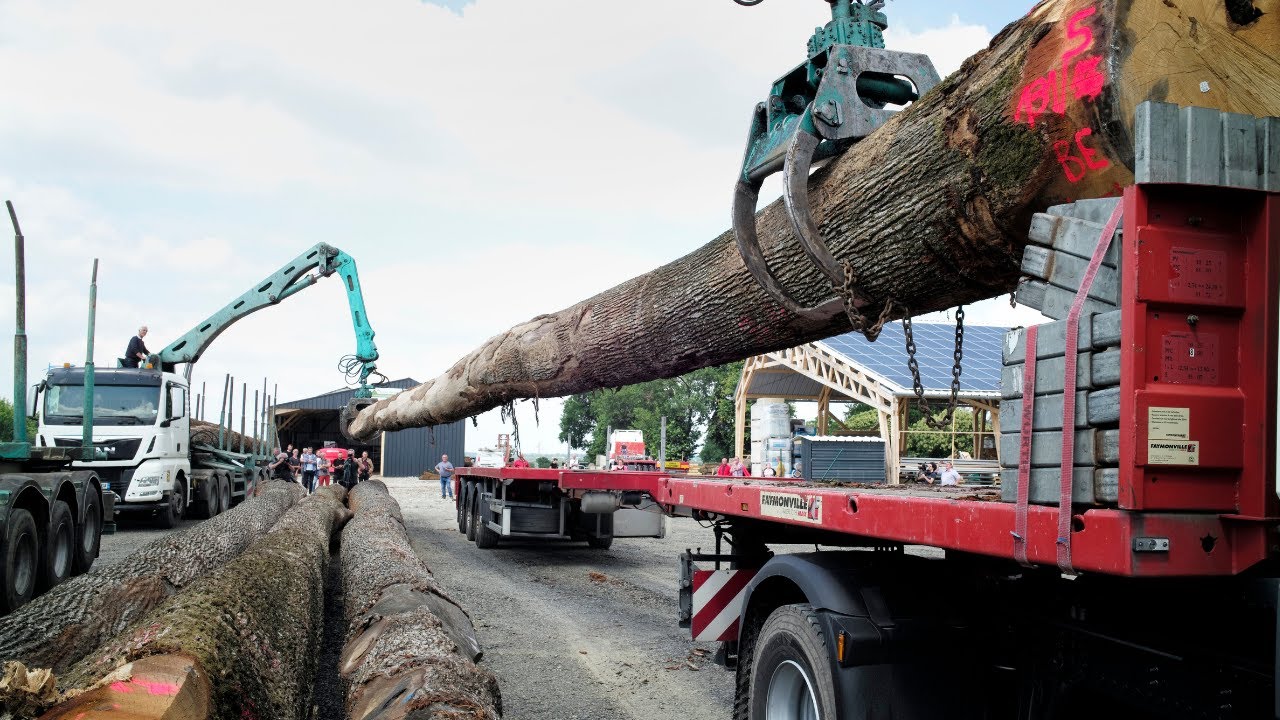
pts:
[60, 627]
[239, 643]
[932, 209]
[410, 648]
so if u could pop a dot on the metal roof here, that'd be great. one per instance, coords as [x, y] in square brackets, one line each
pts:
[338, 399]
[935, 345]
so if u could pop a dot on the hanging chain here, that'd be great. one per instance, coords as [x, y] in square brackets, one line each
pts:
[849, 295]
[918, 387]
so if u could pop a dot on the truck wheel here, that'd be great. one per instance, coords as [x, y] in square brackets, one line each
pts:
[461, 502]
[224, 488]
[599, 542]
[173, 512]
[59, 556]
[485, 536]
[206, 504]
[472, 491]
[21, 561]
[604, 538]
[90, 535]
[791, 672]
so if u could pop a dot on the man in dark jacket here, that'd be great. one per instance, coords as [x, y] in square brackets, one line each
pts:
[137, 351]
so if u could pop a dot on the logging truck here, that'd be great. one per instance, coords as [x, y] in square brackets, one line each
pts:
[51, 516]
[153, 463]
[1144, 585]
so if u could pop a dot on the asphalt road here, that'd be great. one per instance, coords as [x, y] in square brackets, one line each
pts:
[574, 633]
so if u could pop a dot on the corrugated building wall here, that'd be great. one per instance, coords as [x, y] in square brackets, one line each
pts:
[312, 421]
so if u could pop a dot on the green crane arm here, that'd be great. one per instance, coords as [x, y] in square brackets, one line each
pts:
[289, 280]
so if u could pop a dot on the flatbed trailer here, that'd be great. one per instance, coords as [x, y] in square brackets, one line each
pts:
[1161, 603]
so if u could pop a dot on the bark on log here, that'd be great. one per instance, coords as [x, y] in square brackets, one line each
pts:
[410, 648]
[60, 627]
[932, 210]
[240, 643]
[207, 433]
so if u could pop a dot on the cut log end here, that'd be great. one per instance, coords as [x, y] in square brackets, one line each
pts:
[160, 686]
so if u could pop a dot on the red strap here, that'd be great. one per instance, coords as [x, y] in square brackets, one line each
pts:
[1024, 449]
[1069, 391]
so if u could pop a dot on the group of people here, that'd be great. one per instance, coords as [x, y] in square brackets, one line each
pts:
[929, 473]
[313, 471]
[737, 468]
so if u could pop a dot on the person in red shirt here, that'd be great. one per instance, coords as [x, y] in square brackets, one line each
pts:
[723, 469]
[520, 461]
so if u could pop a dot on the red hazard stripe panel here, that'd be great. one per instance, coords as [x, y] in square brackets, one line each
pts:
[717, 602]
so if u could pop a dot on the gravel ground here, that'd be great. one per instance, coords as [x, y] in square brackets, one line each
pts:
[575, 633]
[130, 535]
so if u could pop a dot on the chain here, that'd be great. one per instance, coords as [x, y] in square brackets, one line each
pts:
[850, 297]
[918, 387]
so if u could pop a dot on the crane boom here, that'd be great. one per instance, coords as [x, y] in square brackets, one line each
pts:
[292, 278]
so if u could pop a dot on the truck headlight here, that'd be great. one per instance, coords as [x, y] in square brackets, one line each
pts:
[148, 481]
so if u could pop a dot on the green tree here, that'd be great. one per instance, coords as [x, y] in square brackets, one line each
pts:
[543, 462]
[924, 441]
[860, 416]
[6, 423]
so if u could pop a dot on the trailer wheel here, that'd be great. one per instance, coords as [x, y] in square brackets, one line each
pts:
[461, 503]
[90, 535]
[599, 542]
[59, 556]
[791, 672]
[485, 536]
[173, 512]
[472, 520]
[21, 561]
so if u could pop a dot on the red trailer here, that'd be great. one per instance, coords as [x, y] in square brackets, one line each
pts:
[1160, 604]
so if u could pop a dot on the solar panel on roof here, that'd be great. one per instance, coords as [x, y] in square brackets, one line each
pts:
[935, 344]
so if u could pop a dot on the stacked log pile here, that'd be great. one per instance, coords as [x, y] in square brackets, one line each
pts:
[410, 648]
[206, 433]
[60, 627]
[240, 642]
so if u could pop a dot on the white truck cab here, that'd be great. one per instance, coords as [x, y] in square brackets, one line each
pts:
[142, 419]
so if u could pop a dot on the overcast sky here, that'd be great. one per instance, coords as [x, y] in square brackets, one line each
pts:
[483, 161]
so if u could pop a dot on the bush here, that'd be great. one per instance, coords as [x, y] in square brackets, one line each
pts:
[6, 423]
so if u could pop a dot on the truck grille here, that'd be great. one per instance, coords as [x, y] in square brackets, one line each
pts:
[118, 449]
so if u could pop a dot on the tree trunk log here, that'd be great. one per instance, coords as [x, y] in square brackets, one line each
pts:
[60, 627]
[207, 433]
[240, 643]
[931, 210]
[410, 648]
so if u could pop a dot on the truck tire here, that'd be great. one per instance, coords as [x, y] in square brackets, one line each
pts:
[791, 671]
[174, 511]
[224, 490]
[206, 504]
[89, 537]
[461, 502]
[471, 510]
[486, 537]
[601, 542]
[59, 547]
[20, 563]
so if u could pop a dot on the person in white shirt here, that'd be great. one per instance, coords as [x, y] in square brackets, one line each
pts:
[949, 474]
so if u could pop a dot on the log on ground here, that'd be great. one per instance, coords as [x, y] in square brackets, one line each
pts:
[241, 642]
[60, 627]
[931, 210]
[410, 648]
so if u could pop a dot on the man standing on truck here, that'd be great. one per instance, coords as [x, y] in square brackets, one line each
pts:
[444, 469]
[137, 351]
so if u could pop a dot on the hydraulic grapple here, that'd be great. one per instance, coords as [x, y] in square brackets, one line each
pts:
[839, 95]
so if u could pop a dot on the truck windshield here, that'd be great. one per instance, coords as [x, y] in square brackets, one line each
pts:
[112, 404]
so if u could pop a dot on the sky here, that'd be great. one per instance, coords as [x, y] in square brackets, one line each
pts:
[483, 162]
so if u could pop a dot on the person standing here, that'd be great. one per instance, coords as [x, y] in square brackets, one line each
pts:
[364, 466]
[280, 469]
[309, 467]
[295, 464]
[339, 468]
[736, 468]
[797, 470]
[322, 470]
[723, 469]
[350, 470]
[444, 469]
[949, 474]
[137, 352]
[520, 461]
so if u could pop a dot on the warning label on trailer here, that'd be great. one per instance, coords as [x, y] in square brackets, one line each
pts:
[1167, 452]
[792, 506]
[1168, 423]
